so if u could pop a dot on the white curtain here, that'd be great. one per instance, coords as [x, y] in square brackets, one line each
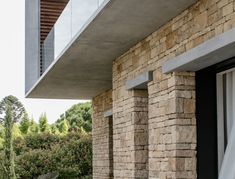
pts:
[227, 91]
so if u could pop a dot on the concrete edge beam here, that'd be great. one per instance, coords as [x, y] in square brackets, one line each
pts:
[213, 51]
[108, 113]
[140, 82]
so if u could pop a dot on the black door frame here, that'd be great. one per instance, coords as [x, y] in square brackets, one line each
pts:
[206, 113]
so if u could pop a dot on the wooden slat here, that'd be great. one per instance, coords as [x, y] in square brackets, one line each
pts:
[50, 11]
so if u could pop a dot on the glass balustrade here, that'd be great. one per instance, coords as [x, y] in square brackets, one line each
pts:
[70, 22]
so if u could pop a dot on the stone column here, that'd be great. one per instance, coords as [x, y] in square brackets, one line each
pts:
[140, 132]
[172, 126]
[130, 120]
[102, 137]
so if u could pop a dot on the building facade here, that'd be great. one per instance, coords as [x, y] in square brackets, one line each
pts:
[160, 74]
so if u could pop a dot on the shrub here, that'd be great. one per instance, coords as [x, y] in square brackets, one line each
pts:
[70, 156]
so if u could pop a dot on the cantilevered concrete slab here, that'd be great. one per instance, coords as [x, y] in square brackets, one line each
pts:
[85, 68]
[213, 51]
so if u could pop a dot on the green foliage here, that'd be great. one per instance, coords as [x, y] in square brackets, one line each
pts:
[16, 107]
[8, 148]
[24, 124]
[16, 133]
[43, 124]
[43, 141]
[69, 155]
[63, 127]
[78, 117]
[33, 128]
[11, 111]
[2, 131]
[1, 143]
[2, 167]
[64, 147]
[55, 130]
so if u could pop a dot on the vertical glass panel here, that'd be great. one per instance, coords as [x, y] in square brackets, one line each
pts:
[220, 119]
[225, 113]
[71, 21]
[233, 96]
[229, 103]
[48, 51]
[63, 29]
[228, 163]
[82, 10]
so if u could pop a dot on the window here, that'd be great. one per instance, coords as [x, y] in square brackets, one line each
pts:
[225, 123]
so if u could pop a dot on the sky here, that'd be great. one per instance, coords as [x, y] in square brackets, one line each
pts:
[12, 63]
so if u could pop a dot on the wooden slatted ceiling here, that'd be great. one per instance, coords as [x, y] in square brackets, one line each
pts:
[50, 12]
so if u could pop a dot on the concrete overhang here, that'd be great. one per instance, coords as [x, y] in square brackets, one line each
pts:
[84, 69]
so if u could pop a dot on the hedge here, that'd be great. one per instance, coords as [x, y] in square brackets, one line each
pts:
[70, 156]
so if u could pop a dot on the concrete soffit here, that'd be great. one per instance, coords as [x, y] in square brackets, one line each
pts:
[140, 82]
[213, 51]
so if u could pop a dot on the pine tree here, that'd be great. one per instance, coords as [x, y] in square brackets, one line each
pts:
[43, 123]
[24, 124]
[9, 154]
[54, 129]
[11, 111]
[63, 127]
[33, 127]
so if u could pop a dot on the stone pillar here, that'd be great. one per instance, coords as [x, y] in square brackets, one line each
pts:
[102, 137]
[140, 132]
[130, 120]
[172, 126]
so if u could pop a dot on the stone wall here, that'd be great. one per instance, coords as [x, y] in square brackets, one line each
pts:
[171, 97]
[172, 123]
[101, 131]
[130, 135]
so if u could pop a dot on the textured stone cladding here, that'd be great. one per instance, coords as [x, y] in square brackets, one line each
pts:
[102, 162]
[130, 135]
[167, 149]
[171, 97]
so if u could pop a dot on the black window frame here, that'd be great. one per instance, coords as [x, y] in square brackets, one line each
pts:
[206, 113]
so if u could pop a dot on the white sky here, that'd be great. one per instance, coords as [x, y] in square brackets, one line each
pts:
[12, 63]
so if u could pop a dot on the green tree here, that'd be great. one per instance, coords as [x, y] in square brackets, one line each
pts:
[63, 127]
[54, 129]
[16, 132]
[2, 131]
[78, 117]
[11, 111]
[24, 124]
[43, 123]
[33, 127]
